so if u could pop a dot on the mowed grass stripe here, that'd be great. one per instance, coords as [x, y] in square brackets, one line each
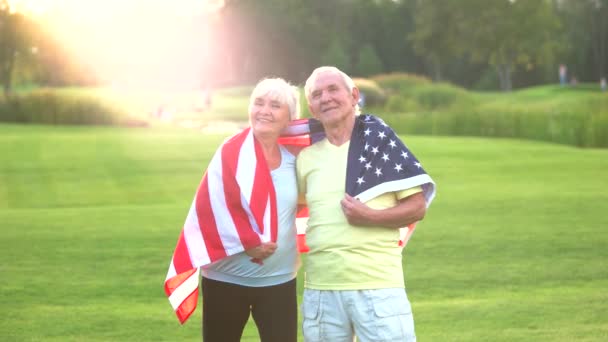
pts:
[513, 248]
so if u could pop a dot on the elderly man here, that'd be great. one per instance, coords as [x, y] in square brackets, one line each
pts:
[361, 184]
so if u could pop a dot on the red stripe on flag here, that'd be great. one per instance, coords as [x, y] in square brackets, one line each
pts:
[232, 191]
[186, 309]
[174, 282]
[303, 212]
[259, 196]
[301, 140]
[263, 191]
[207, 224]
[181, 256]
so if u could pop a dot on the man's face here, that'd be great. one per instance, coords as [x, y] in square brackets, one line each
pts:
[330, 100]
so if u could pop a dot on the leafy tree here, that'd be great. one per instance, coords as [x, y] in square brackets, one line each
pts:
[438, 35]
[369, 63]
[14, 44]
[515, 33]
[586, 24]
[393, 26]
[336, 56]
[272, 37]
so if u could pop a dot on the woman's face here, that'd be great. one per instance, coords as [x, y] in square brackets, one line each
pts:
[268, 116]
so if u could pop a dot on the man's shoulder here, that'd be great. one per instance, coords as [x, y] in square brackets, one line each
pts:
[309, 151]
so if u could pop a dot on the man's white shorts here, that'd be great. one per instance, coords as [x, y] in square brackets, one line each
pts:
[370, 315]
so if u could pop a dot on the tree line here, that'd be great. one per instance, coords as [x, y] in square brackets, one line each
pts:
[479, 44]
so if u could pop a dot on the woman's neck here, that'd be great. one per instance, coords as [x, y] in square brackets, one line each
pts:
[271, 151]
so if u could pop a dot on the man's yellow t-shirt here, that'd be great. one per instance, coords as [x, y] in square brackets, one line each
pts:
[344, 257]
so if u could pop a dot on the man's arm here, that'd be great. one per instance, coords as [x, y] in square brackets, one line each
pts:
[409, 210]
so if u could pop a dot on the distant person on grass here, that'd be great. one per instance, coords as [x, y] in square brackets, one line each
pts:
[361, 184]
[241, 229]
[563, 75]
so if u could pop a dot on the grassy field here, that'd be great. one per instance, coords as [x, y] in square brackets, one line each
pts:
[513, 248]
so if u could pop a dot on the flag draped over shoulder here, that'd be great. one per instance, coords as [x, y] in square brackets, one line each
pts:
[378, 162]
[302, 132]
[234, 209]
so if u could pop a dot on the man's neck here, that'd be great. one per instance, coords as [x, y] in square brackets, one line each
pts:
[340, 133]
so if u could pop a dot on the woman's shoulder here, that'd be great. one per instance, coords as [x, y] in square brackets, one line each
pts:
[293, 150]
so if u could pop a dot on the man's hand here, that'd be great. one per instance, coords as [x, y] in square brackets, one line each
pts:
[262, 251]
[357, 213]
[408, 210]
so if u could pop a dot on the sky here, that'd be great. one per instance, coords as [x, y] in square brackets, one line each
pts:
[140, 43]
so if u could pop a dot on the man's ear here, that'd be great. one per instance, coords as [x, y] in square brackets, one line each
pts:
[355, 95]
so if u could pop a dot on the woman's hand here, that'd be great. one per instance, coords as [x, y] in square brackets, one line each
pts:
[262, 251]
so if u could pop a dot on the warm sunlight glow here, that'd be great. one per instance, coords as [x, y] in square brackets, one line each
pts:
[139, 43]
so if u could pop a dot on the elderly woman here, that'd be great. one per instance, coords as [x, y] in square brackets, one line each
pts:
[240, 231]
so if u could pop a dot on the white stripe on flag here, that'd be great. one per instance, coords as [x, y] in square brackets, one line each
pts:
[254, 224]
[184, 290]
[267, 218]
[171, 273]
[301, 224]
[245, 171]
[194, 239]
[398, 185]
[297, 129]
[223, 219]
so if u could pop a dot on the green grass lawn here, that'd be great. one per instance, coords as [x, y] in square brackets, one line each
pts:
[515, 246]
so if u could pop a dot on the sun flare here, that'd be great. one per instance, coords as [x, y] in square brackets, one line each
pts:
[141, 43]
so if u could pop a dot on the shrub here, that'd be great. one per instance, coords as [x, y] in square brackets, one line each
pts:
[50, 107]
[440, 95]
[374, 95]
[410, 123]
[369, 63]
[336, 54]
[401, 104]
[400, 82]
[573, 123]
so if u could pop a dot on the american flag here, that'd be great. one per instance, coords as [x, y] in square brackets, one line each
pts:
[378, 162]
[234, 209]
